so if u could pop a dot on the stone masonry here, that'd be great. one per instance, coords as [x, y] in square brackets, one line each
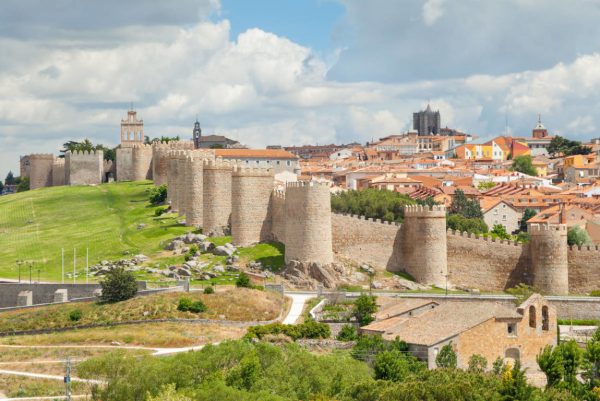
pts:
[217, 196]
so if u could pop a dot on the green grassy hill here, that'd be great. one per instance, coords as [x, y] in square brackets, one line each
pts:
[36, 225]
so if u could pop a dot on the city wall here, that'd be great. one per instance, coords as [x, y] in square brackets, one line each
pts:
[84, 168]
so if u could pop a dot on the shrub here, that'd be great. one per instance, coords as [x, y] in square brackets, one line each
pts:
[347, 333]
[198, 307]
[160, 211]
[446, 357]
[243, 281]
[364, 308]
[75, 315]
[471, 225]
[209, 290]
[477, 363]
[118, 285]
[595, 293]
[310, 329]
[158, 195]
[577, 236]
[184, 304]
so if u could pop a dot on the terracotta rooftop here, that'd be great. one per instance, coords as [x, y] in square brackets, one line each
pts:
[255, 153]
[443, 322]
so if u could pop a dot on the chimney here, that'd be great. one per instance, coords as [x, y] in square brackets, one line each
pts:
[562, 214]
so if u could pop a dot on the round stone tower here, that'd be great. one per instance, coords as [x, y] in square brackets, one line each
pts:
[195, 192]
[180, 186]
[217, 197]
[308, 223]
[548, 251]
[172, 181]
[141, 162]
[251, 190]
[160, 163]
[40, 170]
[424, 244]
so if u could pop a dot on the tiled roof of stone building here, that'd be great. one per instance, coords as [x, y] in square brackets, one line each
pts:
[442, 322]
[395, 307]
[255, 153]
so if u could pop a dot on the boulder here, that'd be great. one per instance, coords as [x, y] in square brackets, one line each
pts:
[218, 269]
[174, 245]
[140, 258]
[223, 251]
[183, 272]
[206, 246]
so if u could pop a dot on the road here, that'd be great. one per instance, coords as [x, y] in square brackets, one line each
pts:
[298, 301]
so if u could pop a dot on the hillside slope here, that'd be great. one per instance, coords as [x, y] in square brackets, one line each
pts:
[35, 225]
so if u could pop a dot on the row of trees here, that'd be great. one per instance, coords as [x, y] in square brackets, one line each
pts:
[374, 370]
[87, 146]
[567, 147]
[22, 183]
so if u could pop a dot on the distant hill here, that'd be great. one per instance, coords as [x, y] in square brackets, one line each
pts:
[105, 219]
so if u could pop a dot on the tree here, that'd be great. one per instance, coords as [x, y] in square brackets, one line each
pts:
[364, 308]
[372, 203]
[460, 223]
[577, 236]
[527, 214]
[468, 208]
[243, 281]
[485, 185]
[347, 333]
[168, 392]
[572, 357]
[477, 363]
[118, 285]
[446, 358]
[500, 231]
[10, 179]
[23, 184]
[392, 365]
[158, 195]
[524, 164]
[1, 187]
[567, 147]
[550, 362]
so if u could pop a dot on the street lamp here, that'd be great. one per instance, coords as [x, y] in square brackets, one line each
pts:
[19, 263]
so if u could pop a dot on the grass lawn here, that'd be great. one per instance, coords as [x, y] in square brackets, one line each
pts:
[18, 386]
[161, 335]
[239, 304]
[35, 225]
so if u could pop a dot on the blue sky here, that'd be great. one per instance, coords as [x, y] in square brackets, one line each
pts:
[308, 22]
[293, 72]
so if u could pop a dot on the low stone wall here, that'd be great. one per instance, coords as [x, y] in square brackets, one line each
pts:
[44, 293]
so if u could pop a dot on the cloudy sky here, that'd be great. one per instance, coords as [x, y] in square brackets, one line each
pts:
[293, 71]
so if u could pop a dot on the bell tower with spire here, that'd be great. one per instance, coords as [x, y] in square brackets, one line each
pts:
[539, 131]
[197, 134]
[427, 122]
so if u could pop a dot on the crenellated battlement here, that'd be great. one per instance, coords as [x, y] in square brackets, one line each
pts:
[306, 184]
[85, 154]
[479, 237]
[369, 220]
[545, 228]
[41, 156]
[584, 248]
[218, 164]
[59, 161]
[242, 171]
[141, 146]
[424, 211]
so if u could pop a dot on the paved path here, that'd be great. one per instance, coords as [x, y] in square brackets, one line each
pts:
[298, 301]
[50, 377]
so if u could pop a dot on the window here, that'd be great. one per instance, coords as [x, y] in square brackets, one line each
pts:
[289, 163]
[278, 162]
[532, 317]
[511, 329]
[503, 217]
[545, 318]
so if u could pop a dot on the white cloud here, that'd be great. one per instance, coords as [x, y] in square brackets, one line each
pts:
[432, 11]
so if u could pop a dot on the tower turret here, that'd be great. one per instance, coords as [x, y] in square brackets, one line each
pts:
[548, 250]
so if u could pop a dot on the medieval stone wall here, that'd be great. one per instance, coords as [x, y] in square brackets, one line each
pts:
[308, 223]
[40, 170]
[181, 182]
[125, 164]
[584, 268]
[367, 240]
[486, 264]
[84, 168]
[278, 216]
[172, 181]
[160, 164]
[217, 197]
[58, 172]
[251, 190]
